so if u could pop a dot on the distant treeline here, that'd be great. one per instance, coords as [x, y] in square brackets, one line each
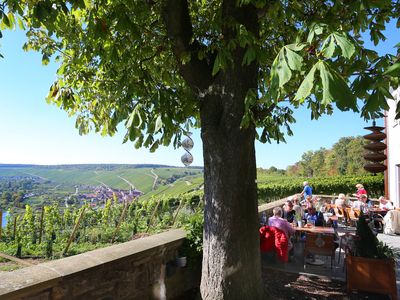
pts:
[344, 158]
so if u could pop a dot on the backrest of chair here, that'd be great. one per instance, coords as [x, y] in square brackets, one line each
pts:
[319, 243]
[352, 213]
[339, 212]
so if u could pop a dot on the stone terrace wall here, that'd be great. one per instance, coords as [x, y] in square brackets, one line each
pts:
[131, 270]
[268, 207]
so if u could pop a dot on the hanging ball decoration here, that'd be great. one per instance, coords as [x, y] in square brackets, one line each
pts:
[187, 159]
[187, 144]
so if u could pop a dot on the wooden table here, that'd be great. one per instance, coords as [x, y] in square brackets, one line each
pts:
[316, 229]
[378, 210]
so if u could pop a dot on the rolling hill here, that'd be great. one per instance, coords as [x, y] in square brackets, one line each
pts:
[145, 178]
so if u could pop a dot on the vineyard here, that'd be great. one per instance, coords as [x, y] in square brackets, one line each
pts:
[53, 233]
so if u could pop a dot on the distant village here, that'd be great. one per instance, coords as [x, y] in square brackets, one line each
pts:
[102, 193]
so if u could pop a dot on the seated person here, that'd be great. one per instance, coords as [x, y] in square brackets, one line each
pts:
[272, 239]
[361, 204]
[319, 204]
[299, 212]
[314, 217]
[341, 201]
[307, 203]
[295, 200]
[277, 221]
[385, 204]
[288, 212]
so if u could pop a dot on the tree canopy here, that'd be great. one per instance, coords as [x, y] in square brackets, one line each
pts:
[118, 62]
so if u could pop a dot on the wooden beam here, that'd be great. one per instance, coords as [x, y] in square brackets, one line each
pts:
[15, 259]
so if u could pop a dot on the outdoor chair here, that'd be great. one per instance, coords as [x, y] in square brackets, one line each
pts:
[319, 244]
[340, 213]
[378, 222]
[346, 243]
[353, 215]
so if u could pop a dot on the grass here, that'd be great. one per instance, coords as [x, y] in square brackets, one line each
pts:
[8, 267]
[180, 186]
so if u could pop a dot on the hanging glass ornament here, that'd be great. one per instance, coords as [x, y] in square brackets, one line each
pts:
[187, 144]
[187, 159]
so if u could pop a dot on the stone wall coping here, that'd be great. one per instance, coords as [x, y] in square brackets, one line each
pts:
[269, 206]
[47, 274]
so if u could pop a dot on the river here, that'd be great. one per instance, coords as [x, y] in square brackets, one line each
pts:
[4, 217]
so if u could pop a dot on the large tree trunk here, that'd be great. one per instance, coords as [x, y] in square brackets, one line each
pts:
[231, 256]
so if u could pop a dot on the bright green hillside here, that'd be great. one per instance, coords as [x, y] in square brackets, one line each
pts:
[120, 177]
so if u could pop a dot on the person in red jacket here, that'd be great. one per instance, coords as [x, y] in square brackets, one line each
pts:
[360, 191]
[277, 221]
[273, 239]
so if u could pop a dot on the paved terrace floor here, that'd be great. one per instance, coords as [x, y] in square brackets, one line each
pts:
[337, 272]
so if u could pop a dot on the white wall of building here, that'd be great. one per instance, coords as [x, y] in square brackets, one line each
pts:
[393, 146]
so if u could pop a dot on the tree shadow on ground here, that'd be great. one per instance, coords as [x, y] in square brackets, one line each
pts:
[282, 285]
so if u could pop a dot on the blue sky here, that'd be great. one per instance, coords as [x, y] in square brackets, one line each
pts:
[31, 131]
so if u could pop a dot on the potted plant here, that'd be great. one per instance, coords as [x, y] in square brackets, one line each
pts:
[370, 265]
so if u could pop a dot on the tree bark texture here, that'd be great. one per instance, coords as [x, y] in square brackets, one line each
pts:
[231, 257]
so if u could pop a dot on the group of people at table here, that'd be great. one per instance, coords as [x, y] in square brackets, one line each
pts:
[313, 211]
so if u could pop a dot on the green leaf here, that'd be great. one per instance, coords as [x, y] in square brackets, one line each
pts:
[297, 46]
[282, 69]
[130, 120]
[21, 24]
[295, 61]
[306, 86]
[249, 56]
[6, 21]
[345, 44]
[328, 47]
[159, 124]
[362, 84]
[393, 70]
[217, 64]
[11, 19]
[335, 89]
[154, 146]
[385, 92]
[376, 101]
[45, 59]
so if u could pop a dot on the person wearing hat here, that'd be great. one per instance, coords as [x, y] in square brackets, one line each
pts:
[360, 191]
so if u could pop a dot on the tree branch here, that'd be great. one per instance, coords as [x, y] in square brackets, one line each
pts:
[196, 72]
